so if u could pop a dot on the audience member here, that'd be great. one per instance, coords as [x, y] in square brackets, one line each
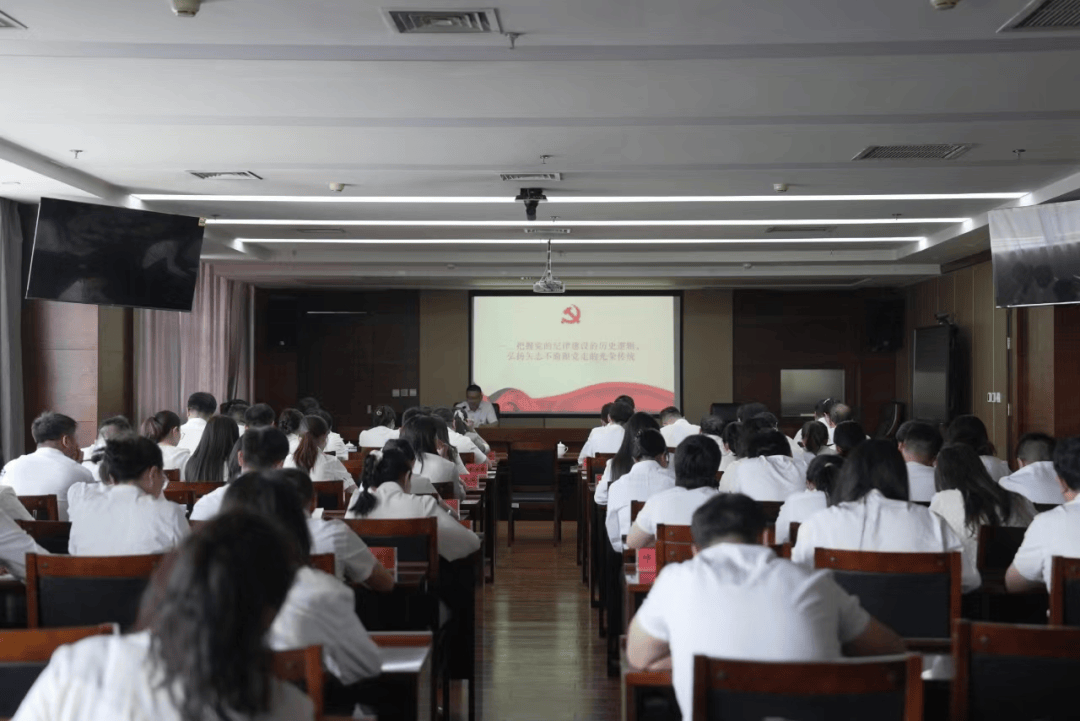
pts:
[15, 543]
[736, 599]
[971, 431]
[605, 413]
[607, 439]
[847, 435]
[261, 449]
[461, 426]
[460, 442]
[648, 476]
[289, 423]
[237, 410]
[872, 513]
[334, 442]
[748, 410]
[163, 428]
[478, 411]
[202, 651]
[628, 401]
[623, 460]
[422, 433]
[130, 518]
[821, 478]
[210, 461]
[108, 428]
[814, 440]
[766, 421]
[674, 427]
[769, 473]
[259, 415]
[12, 507]
[310, 456]
[729, 446]
[821, 416]
[54, 467]
[1036, 480]
[200, 409]
[383, 425]
[919, 444]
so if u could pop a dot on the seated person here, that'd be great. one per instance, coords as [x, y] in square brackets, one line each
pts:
[968, 498]
[460, 442]
[821, 415]
[813, 441]
[386, 485]
[971, 431]
[838, 413]
[383, 424]
[311, 458]
[130, 518]
[259, 415]
[1054, 533]
[196, 657]
[334, 442]
[919, 445]
[12, 506]
[15, 543]
[674, 428]
[319, 609]
[261, 449]
[872, 513]
[729, 446]
[695, 483]
[163, 428]
[422, 433]
[847, 435]
[460, 426]
[769, 473]
[200, 409]
[648, 476]
[768, 422]
[735, 599]
[820, 480]
[209, 462]
[54, 467]
[107, 429]
[1036, 480]
[291, 422]
[607, 439]
[237, 410]
[478, 412]
[623, 460]
[713, 427]
[352, 559]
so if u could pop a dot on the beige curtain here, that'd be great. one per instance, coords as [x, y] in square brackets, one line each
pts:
[208, 349]
[11, 374]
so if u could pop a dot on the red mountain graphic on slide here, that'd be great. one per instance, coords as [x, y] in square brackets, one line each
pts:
[584, 400]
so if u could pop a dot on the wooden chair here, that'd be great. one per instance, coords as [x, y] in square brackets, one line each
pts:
[997, 546]
[329, 495]
[445, 489]
[324, 562]
[187, 494]
[719, 476]
[793, 533]
[85, 590]
[672, 545]
[885, 687]
[24, 655]
[1065, 591]
[417, 539]
[303, 667]
[42, 508]
[355, 468]
[534, 484]
[918, 595]
[635, 508]
[201, 488]
[771, 510]
[172, 475]
[783, 550]
[53, 536]
[1004, 672]
[467, 458]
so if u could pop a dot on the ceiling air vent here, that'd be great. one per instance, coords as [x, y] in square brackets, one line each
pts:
[540, 177]
[548, 231]
[929, 151]
[415, 22]
[225, 175]
[320, 231]
[1045, 15]
[9, 23]
[800, 229]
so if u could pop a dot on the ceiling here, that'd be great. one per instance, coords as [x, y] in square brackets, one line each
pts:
[625, 97]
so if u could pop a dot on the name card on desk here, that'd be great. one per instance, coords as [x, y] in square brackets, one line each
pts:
[476, 468]
[387, 556]
[454, 504]
[471, 481]
[467, 523]
[646, 565]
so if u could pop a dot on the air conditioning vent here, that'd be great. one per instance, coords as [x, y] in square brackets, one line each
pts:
[548, 231]
[319, 231]
[9, 23]
[225, 175]
[444, 22]
[541, 177]
[929, 151]
[800, 229]
[1045, 15]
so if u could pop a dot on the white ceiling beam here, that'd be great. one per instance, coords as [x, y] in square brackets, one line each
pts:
[615, 257]
[66, 174]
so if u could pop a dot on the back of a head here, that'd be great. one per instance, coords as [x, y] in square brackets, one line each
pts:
[766, 420]
[621, 463]
[207, 462]
[727, 517]
[264, 448]
[767, 443]
[114, 426]
[822, 407]
[922, 440]
[815, 436]
[731, 436]
[840, 413]
[158, 426]
[697, 460]
[712, 426]
[325, 415]
[259, 415]
[411, 413]
[290, 421]
[206, 610]
[202, 403]
[748, 410]
[273, 495]
[51, 426]
[649, 443]
[669, 415]
[444, 414]
[1035, 448]
[390, 465]
[605, 412]
[383, 416]
[126, 457]
[1067, 462]
[312, 432]
[628, 401]
[308, 405]
[621, 412]
[421, 432]
[873, 465]
[970, 431]
[301, 482]
[236, 409]
[848, 436]
[824, 473]
[959, 468]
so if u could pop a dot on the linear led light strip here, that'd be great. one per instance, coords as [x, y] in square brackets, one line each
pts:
[575, 223]
[568, 241]
[575, 199]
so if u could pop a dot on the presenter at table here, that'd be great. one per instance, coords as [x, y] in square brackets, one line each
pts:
[478, 412]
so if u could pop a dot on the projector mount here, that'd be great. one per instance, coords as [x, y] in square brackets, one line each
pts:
[531, 197]
[548, 283]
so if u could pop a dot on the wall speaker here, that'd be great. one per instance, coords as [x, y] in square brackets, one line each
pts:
[282, 322]
[885, 325]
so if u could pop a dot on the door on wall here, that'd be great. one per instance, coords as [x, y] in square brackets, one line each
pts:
[336, 366]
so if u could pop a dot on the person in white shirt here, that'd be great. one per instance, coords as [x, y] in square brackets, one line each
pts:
[821, 416]
[648, 476]
[310, 456]
[422, 433]
[813, 440]
[609, 438]
[729, 446]
[674, 427]
[971, 431]
[713, 427]
[872, 513]
[766, 421]
[769, 473]
[735, 599]
[130, 518]
[291, 422]
[386, 493]
[383, 428]
[623, 460]
[237, 410]
[1054, 533]
[968, 498]
[459, 441]
[847, 436]
[821, 477]
[259, 415]
[319, 609]
[209, 462]
[919, 444]
[748, 430]
[54, 467]
[838, 413]
[12, 506]
[197, 657]
[695, 483]
[200, 409]
[15, 543]
[109, 428]
[1036, 480]
[261, 449]
[478, 412]
[163, 428]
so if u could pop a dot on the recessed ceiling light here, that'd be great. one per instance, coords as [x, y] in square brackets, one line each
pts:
[575, 199]
[576, 241]
[579, 223]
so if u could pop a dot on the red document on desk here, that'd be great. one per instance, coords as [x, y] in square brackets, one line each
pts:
[646, 565]
[387, 556]
[476, 468]
[471, 481]
[455, 505]
[466, 522]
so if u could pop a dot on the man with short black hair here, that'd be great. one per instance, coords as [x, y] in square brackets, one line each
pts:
[54, 467]
[261, 449]
[734, 593]
[769, 473]
[605, 412]
[1055, 532]
[478, 411]
[1036, 480]
[607, 439]
[200, 409]
[237, 410]
[259, 415]
[821, 413]
[674, 428]
[919, 447]
[628, 401]
[107, 429]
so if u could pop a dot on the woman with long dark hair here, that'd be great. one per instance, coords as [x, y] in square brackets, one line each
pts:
[971, 431]
[210, 461]
[821, 476]
[201, 650]
[310, 456]
[289, 423]
[623, 460]
[163, 428]
[421, 432]
[648, 476]
[814, 439]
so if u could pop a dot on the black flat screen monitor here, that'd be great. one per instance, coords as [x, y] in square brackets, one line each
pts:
[931, 384]
[1036, 252]
[101, 255]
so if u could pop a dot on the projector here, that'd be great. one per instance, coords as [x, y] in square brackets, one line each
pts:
[548, 284]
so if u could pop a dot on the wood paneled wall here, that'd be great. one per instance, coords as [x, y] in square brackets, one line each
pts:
[1048, 370]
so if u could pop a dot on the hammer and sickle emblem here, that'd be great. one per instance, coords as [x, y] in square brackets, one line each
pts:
[573, 315]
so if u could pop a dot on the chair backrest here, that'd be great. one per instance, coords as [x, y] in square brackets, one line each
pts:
[915, 594]
[172, 475]
[176, 494]
[783, 550]
[445, 489]
[998, 546]
[201, 488]
[719, 476]
[498, 411]
[892, 415]
[1065, 591]
[793, 532]
[303, 667]
[53, 536]
[417, 539]
[883, 689]
[635, 508]
[42, 508]
[468, 458]
[771, 510]
[24, 655]
[355, 468]
[1004, 672]
[534, 466]
[329, 494]
[672, 544]
[324, 562]
[595, 466]
[84, 590]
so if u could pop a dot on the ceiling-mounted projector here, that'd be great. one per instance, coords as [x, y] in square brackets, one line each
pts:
[548, 283]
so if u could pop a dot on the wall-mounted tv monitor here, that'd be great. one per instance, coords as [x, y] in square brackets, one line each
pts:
[1036, 252]
[101, 255]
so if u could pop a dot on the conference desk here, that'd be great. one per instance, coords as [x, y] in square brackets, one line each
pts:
[407, 659]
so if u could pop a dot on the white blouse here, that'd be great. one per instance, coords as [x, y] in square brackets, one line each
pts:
[455, 541]
[124, 520]
[439, 470]
[950, 506]
[998, 468]
[175, 457]
[15, 543]
[352, 558]
[645, 480]
[377, 437]
[768, 478]
[326, 468]
[797, 509]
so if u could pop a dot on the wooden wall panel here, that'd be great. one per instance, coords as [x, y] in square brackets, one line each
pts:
[1035, 376]
[1066, 370]
[707, 351]
[444, 346]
